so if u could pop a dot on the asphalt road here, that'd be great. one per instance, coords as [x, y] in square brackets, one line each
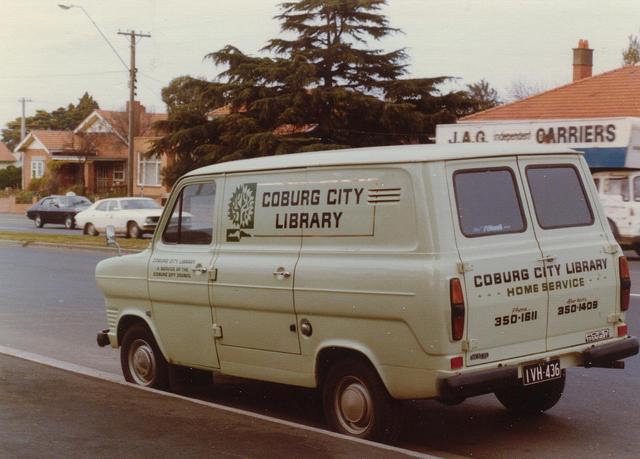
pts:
[20, 223]
[50, 305]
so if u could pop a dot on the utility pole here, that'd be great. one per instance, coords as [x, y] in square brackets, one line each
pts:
[132, 95]
[23, 120]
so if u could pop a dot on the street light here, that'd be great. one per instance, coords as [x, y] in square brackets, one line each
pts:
[68, 7]
[132, 70]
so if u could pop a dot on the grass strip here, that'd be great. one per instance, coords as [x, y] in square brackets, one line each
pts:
[79, 240]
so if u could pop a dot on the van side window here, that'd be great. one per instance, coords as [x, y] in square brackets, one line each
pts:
[617, 186]
[558, 197]
[192, 216]
[488, 202]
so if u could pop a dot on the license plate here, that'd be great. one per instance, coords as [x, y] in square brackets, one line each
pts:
[541, 372]
[597, 335]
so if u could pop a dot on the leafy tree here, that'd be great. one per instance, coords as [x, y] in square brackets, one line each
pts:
[324, 83]
[631, 55]
[59, 119]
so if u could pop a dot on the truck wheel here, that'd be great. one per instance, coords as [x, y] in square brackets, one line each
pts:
[356, 402]
[141, 360]
[531, 399]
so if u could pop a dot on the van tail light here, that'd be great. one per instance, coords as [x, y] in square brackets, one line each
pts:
[625, 284]
[623, 330]
[457, 309]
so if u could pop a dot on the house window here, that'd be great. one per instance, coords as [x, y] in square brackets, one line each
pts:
[118, 172]
[148, 170]
[37, 168]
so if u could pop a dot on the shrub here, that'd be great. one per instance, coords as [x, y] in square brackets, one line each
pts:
[24, 197]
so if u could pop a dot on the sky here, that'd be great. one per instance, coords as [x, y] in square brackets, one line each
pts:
[53, 56]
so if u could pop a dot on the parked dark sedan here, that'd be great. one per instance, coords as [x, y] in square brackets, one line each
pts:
[57, 209]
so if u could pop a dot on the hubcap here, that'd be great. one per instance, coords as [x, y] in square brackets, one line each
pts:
[354, 406]
[142, 362]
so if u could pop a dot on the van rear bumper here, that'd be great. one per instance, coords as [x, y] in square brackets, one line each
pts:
[486, 381]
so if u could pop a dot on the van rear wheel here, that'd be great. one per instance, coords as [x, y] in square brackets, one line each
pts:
[357, 403]
[532, 399]
[141, 360]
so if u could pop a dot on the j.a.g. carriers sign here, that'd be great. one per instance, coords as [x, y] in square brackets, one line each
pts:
[606, 142]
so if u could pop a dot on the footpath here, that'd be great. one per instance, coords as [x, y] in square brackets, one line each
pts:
[49, 412]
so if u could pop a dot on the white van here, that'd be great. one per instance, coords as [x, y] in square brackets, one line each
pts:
[619, 192]
[378, 275]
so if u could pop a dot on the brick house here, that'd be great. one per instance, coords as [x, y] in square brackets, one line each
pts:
[95, 154]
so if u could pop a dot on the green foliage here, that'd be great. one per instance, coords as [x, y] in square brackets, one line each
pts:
[59, 119]
[631, 55]
[24, 197]
[10, 177]
[325, 79]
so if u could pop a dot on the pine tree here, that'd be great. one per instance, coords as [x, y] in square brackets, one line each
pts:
[325, 84]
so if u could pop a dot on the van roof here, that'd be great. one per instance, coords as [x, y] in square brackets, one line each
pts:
[379, 155]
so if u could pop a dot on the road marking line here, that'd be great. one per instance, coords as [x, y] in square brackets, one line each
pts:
[110, 377]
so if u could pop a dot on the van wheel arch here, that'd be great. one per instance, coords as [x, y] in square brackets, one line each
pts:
[126, 322]
[331, 355]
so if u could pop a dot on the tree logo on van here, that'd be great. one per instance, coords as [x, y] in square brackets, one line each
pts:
[241, 211]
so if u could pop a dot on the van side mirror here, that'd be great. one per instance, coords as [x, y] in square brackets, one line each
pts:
[110, 236]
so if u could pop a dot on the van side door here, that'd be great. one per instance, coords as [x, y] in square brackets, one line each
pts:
[580, 260]
[253, 293]
[180, 273]
[500, 259]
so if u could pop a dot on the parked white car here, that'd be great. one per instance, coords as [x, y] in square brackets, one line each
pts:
[130, 216]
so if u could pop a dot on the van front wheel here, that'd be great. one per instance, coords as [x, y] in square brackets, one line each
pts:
[141, 360]
[357, 403]
[532, 399]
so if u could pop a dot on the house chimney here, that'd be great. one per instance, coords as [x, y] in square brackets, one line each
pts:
[582, 61]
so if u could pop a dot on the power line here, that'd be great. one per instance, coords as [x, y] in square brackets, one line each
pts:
[56, 75]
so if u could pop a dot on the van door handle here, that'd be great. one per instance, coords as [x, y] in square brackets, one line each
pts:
[548, 258]
[199, 269]
[280, 272]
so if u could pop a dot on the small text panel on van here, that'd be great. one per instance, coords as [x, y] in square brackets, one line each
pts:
[179, 276]
[581, 275]
[507, 313]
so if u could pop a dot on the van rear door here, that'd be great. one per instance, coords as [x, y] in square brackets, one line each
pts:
[580, 261]
[505, 306]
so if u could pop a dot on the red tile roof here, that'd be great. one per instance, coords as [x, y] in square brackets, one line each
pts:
[55, 140]
[611, 94]
[5, 154]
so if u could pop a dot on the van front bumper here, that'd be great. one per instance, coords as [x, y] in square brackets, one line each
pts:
[461, 386]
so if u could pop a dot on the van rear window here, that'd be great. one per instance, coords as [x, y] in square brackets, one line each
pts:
[559, 199]
[488, 202]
